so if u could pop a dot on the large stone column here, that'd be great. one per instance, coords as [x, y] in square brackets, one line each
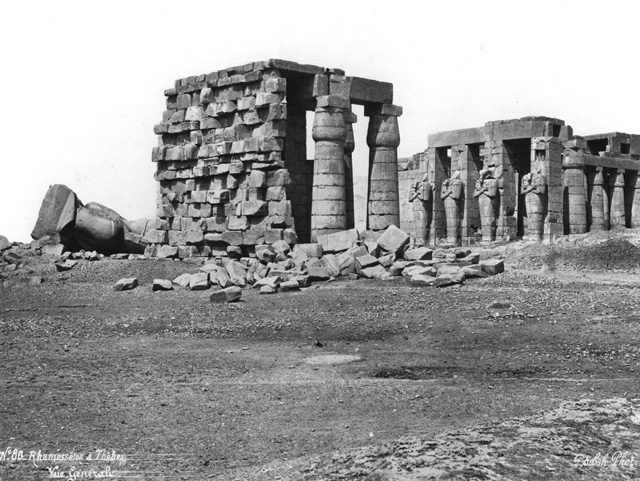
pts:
[349, 147]
[383, 138]
[328, 204]
[635, 206]
[596, 200]
[618, 217]
[574, 196]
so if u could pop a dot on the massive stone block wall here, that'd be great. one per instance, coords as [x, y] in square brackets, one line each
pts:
[221, 165]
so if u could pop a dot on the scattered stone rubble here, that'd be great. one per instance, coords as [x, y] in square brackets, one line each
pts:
[288, 267]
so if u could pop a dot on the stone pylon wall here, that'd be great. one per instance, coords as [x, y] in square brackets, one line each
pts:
[220, 161]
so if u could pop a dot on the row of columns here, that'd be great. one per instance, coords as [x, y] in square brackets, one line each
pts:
[332, 195]
[589, 205]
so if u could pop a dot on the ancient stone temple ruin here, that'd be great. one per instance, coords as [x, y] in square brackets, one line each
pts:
[232, 164]
[525, 178]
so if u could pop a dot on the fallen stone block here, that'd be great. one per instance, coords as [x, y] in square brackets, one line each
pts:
[289, 286]
[303, 280]
[310, 249]
[230, 294]
[423, 271]
[221, 276]
[283, 274]
[461, 252]
[397, 267]
[4, 243]
[374, 272]
[332, 265]
[365, 261]
[65, 265]
[199, 281]
[299, 257]
[280, 247]
[448, 269]
[318, 273]
[53, 249]
[349, 267]
[290, 237]
[183, 280]
[370, 236]
[265, 254]
[422, 280]
[418, 254]
[271, 280]
[393, 239]
[268, 290]
[473, 271]
[387, 260]
[57, 214]
[448, 280]
[126, 284]
[161, 285]
[493, 266]
[237, 272]
[166, 252]
[338, 241]
[472, 258]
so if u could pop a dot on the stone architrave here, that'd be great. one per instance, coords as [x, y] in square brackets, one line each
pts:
[618, 217]
[534, 189]
[452, 193]
[421, 197]
[596, 201]
[486, 191]
[328, 207]
[383, 138]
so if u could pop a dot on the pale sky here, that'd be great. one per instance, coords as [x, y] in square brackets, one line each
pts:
[83, 82]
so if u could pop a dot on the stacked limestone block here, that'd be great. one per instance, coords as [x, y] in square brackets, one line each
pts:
[220, 163]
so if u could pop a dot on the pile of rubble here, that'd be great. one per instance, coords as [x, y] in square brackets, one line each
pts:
[288, 266]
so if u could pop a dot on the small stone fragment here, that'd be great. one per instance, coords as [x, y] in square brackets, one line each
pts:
[126, 283]
[230, 294]
[418, 254]
[65, 265]
[493, 266]
[161, 285]
[289, 286]
[183, 280]
[449, 279]
[199, 281]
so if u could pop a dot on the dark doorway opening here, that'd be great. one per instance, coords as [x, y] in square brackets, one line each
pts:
[519, 155]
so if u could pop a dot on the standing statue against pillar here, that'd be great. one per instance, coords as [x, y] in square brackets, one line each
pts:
[486, 191]
[453, 196]
[421, 197]
[534, 189]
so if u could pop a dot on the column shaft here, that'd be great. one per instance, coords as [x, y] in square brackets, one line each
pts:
[618, 214]
[328, 204]
[383, 138]
[596, 200]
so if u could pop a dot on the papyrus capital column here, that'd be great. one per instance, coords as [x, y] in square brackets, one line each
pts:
[328, 204]
[574, 206]
[383, 138]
